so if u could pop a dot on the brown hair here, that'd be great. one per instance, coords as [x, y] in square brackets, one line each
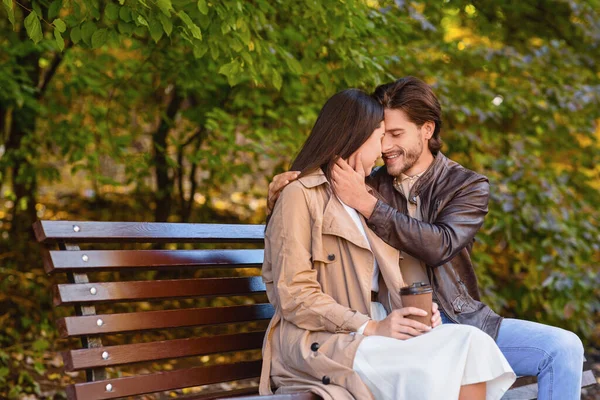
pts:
[417, 100]
[345, 122]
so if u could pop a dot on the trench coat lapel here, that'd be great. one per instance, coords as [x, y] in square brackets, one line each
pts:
[337, 221]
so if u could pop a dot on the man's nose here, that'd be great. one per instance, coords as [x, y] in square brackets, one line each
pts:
[386, 143]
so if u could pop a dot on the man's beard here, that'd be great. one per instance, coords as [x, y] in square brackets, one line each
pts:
[410, 159]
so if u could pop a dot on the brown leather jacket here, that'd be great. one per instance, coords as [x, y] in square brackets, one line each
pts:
[454, 202]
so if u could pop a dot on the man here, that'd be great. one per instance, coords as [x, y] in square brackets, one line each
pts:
[430, 208]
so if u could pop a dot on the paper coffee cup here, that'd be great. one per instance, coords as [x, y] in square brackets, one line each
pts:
[418, 295]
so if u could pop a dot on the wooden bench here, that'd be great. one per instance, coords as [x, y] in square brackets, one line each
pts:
[102, 263]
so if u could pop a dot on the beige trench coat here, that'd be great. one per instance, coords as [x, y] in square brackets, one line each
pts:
[318, 271]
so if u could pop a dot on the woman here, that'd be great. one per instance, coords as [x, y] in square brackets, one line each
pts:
[339, 328]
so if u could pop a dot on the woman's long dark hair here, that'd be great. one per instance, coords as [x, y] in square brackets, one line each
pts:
[345, 122]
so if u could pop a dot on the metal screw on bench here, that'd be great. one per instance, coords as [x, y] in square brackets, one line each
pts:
[85, 258]
[99, 322]
[109, 387]
[76, 228]
[93, 290]
[105, 355]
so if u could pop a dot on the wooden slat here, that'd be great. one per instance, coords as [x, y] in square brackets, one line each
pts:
[145, 232]
[526, 388]
[132, 353]
[148, 290]
[103, 260]
[163, 381]
[139, 321]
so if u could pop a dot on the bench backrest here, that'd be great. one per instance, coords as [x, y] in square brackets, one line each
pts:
[63, 253]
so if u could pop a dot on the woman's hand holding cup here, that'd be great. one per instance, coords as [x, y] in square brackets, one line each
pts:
[397, 326]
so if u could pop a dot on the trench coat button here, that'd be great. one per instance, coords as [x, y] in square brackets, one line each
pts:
[326, 380]
[331, 257]
[314, 346]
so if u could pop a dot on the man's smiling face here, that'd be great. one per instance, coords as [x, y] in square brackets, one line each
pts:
[403, 143]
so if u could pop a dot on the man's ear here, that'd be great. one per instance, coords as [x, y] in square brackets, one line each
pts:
[428, 129]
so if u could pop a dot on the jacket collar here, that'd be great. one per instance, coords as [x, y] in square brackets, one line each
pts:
[430, 173]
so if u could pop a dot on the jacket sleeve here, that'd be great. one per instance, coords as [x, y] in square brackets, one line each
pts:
[296, 290]
[435, 243]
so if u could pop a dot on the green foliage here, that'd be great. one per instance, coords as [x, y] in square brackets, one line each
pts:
[159, 101]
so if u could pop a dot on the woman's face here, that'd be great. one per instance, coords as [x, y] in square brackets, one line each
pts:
[370, 150]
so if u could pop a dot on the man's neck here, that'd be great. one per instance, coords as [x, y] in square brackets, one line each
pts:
[421, 165]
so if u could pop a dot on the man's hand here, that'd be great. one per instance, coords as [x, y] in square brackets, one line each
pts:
[276, 186]
[397, 326]
[436, 317]
[348, 181]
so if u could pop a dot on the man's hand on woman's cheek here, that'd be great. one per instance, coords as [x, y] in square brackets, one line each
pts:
[349, 185]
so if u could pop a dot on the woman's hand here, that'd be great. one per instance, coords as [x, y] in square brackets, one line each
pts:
[436, 317]
[397, 326]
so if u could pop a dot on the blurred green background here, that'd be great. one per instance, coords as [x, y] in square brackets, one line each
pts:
[176, 110]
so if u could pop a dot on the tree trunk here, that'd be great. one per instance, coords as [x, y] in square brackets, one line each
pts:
[164, 180]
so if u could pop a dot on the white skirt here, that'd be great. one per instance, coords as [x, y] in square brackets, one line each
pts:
[432, 366]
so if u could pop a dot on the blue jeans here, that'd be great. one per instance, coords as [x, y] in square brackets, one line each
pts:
[552, 354]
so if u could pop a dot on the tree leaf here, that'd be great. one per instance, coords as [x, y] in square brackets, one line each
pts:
[165, 6]
[293, 64]
[156, 29]
[125, 28]
[203, 7]
[141, 20]
[8, 4]
[99, 38]
[194, 29]
[167, 24]
[54, 9]
[60, 25]
[33, 27]
[200, 50]
[277, 79]
[112, 11]
[59, 39]
[76, 34]
[87, 30]
[125, 14]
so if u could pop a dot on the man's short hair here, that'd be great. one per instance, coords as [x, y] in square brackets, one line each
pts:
[417, 100]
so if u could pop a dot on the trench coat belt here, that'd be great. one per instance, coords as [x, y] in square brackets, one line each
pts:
[374, 296]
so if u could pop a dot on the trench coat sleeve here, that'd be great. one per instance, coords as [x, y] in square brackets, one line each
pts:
[435, 243]
[295, 288]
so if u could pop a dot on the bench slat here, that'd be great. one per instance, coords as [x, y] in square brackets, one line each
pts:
[162, 381]
[147, 290]
[148, 320]
[104, 260]
[132, 353]
[145, 232]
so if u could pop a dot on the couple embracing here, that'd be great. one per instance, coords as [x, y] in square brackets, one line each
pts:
[342, 240]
